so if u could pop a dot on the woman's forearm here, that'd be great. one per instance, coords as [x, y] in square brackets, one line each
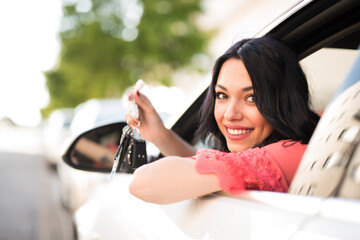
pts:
[170, 180]
[170, 144]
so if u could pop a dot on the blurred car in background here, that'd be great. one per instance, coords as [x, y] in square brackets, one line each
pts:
[77, 186]
[97, 111]
[323, 199]
[55, 132]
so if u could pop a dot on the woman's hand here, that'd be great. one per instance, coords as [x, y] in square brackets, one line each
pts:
[151, 126]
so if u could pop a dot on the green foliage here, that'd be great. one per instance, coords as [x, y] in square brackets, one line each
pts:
[107, 45]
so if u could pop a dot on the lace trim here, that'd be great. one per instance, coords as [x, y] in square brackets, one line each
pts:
[249, 169]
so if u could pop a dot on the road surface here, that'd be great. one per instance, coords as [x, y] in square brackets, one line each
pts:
[30, 205]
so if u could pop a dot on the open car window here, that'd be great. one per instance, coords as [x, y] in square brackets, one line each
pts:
[325, 70]
[330, 166]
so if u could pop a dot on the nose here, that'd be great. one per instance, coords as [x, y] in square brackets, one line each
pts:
[234, 111]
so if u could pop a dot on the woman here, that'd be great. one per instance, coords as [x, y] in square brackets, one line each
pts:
[256, 113]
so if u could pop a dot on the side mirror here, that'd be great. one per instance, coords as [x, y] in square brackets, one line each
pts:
[95, 149]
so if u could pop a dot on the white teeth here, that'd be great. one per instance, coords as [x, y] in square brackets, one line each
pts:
[238, 132]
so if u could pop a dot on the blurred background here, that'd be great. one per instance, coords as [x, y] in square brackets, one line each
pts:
[64, 68]
[59, 54]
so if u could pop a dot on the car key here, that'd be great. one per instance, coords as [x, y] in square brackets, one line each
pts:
[127, 134]
[124, 142]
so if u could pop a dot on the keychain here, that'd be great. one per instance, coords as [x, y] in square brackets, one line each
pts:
[120, 154]
[136, 154]
[132, 148]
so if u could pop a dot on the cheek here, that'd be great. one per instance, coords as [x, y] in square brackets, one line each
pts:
[264, 125]
[218, 113]
[259, 121]
[269, 129]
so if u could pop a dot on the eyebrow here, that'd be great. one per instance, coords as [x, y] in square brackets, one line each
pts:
[245, 89]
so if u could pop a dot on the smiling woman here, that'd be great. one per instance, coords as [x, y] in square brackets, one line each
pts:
[257, 108]
[236, 114]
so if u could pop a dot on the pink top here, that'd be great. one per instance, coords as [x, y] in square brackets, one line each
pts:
[269, 168]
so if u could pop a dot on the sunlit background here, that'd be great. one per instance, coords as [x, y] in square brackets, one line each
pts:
[30, 45]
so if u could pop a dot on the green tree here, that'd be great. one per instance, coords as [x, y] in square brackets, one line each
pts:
[107, 45]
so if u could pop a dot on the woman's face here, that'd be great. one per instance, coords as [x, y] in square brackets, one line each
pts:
[235, 111]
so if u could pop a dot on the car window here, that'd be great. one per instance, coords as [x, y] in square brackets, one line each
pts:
[330, 166]
[325, 70]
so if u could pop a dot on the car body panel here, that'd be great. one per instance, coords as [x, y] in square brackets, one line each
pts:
[55, 132]
[254, 215]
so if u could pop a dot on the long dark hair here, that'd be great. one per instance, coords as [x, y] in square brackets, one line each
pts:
[280, 88]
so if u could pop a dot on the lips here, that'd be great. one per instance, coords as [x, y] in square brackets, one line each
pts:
[236, 132]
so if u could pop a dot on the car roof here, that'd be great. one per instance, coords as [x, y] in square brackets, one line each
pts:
[318, 24]
[306, 27]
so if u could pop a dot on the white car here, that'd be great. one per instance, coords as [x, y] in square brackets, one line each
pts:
[77, 186]
[323, 202]
[55, 132]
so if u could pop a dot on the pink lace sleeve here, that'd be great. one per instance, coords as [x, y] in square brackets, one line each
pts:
[250, 169]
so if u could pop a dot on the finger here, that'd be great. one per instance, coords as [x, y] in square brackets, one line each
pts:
[127, 115]
[132, 121]
[130, 94]
[141, 100]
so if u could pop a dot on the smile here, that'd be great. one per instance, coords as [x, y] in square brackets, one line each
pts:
[237, 132]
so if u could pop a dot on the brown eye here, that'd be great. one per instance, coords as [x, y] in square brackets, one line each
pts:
[221, 96]
[250, 98]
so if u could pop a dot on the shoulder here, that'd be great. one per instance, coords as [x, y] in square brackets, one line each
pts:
[286, 154]
[285, 148]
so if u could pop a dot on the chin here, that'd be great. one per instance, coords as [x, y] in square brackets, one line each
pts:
[235, 149]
